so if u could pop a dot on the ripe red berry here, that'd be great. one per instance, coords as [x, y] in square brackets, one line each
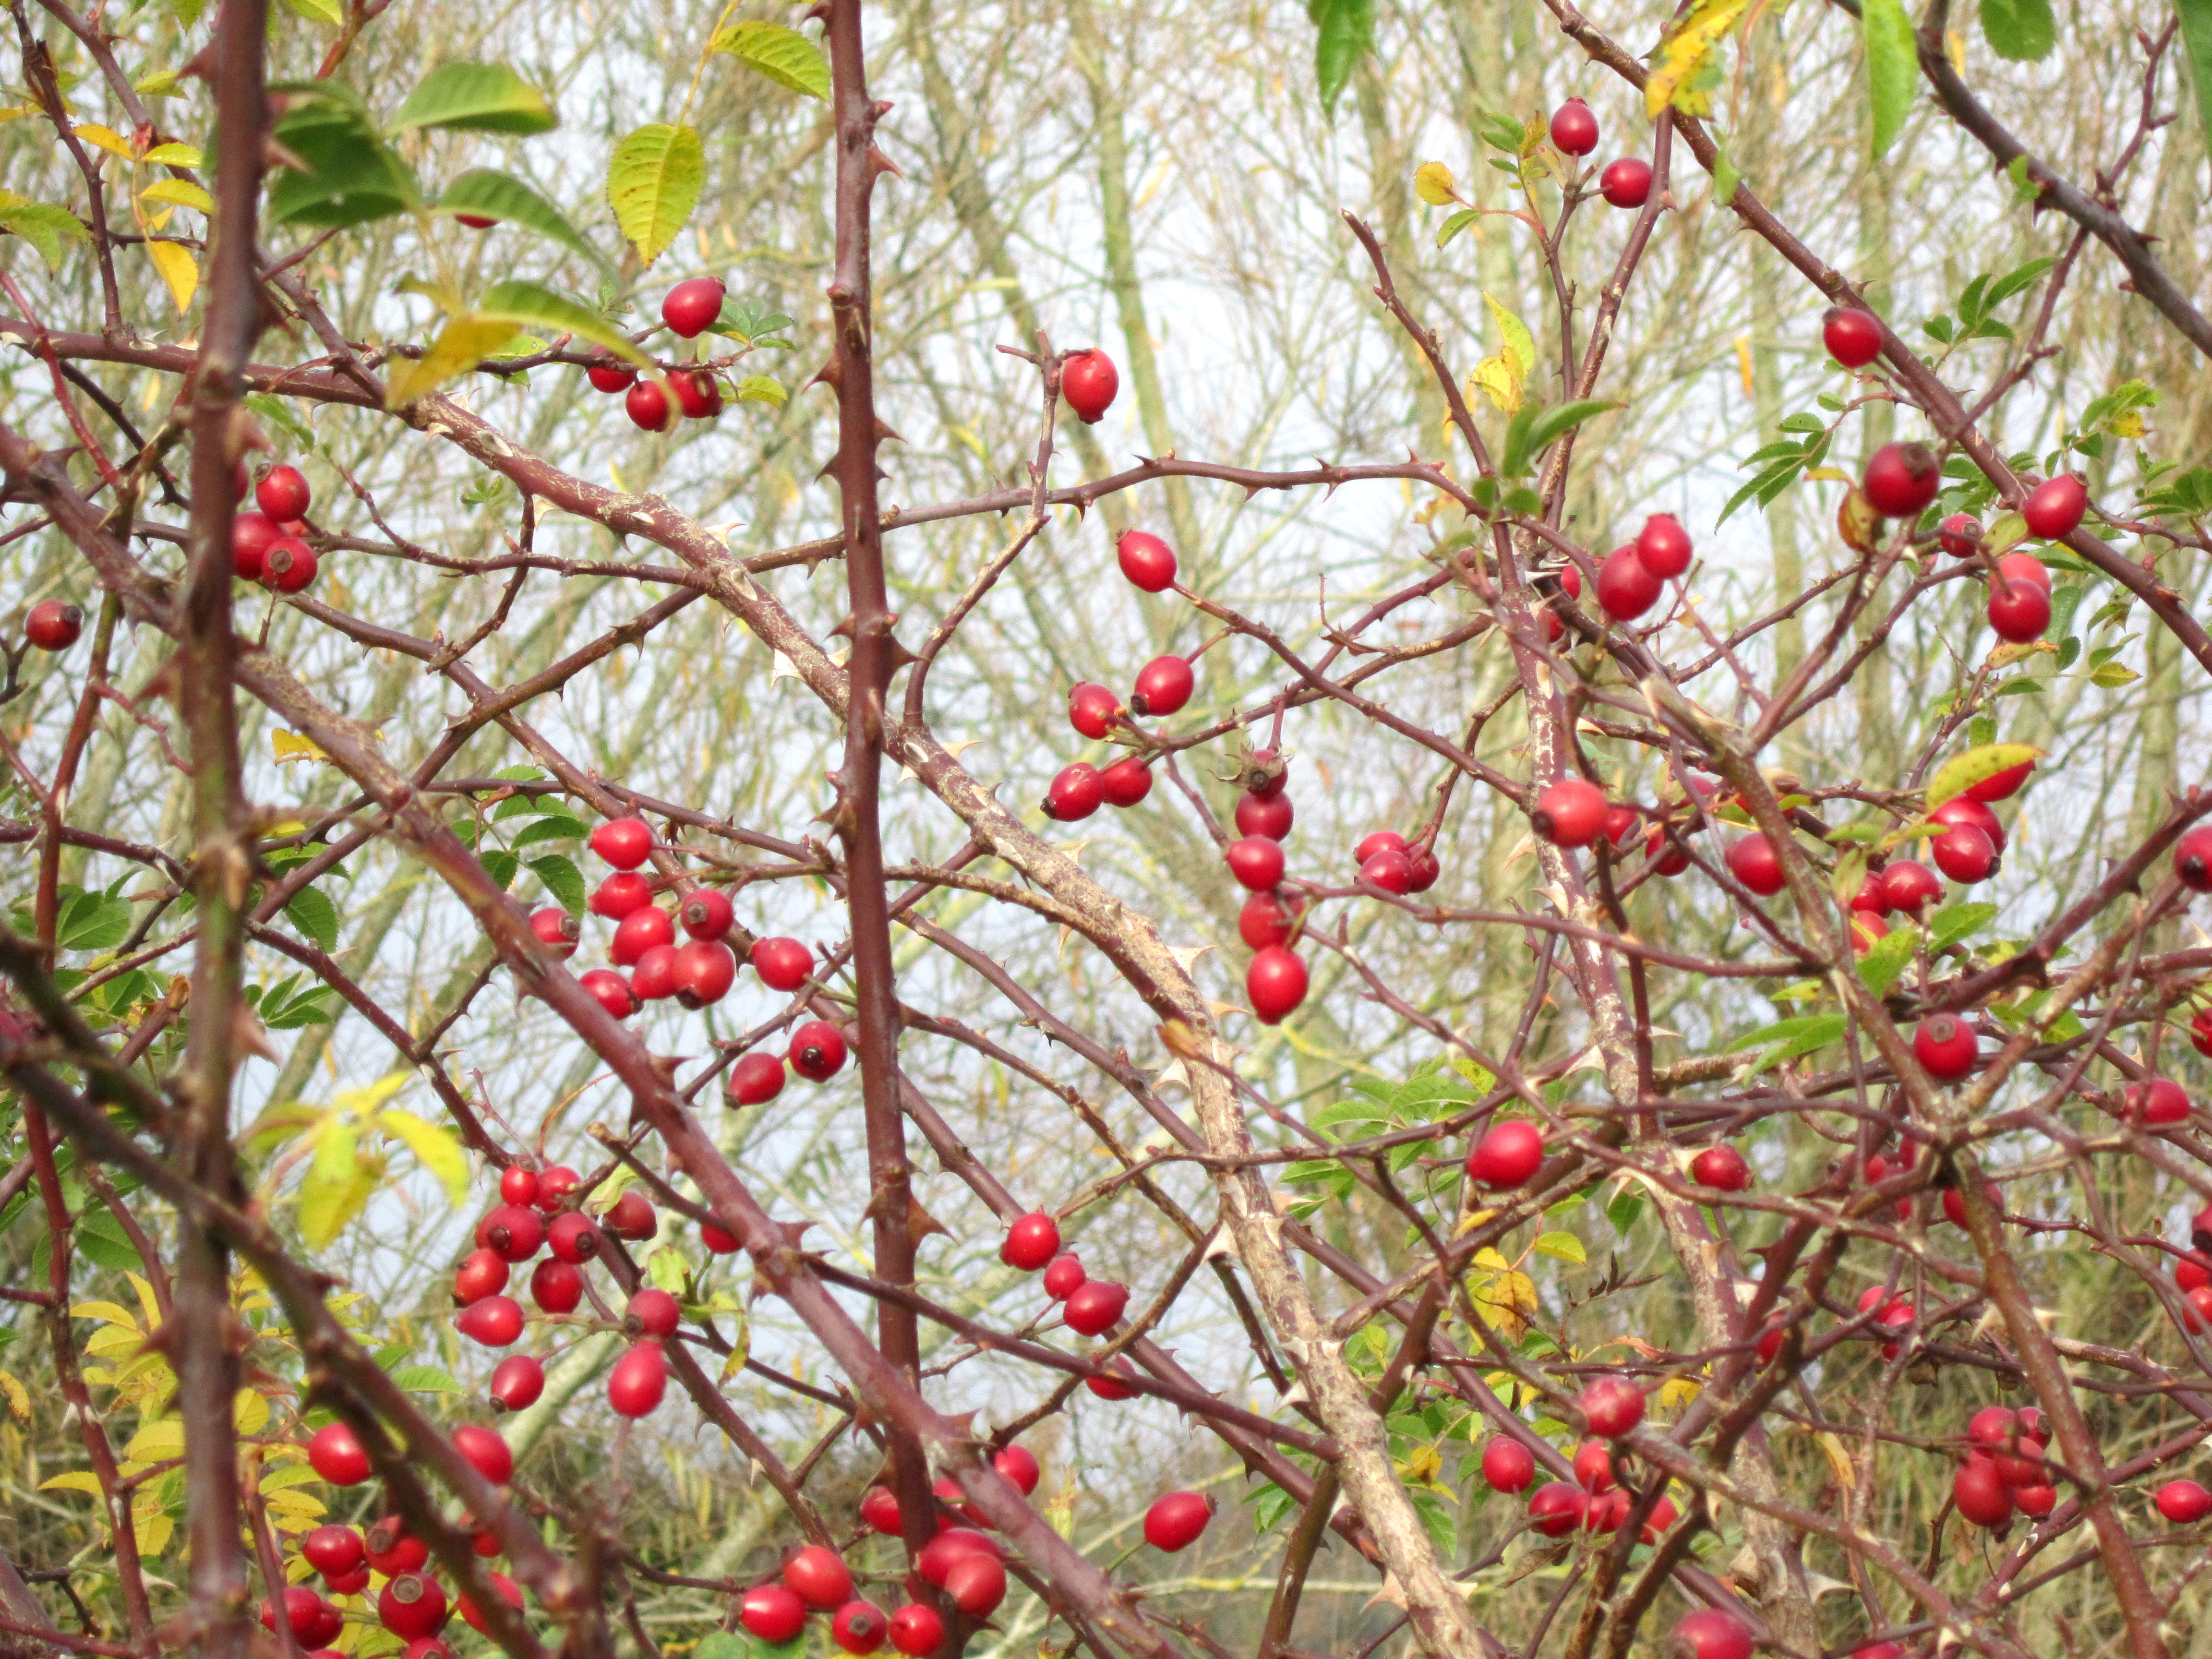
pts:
[334, 1551]
[2158, 1102]
[52, 625]
[693, 307]
[1867, 931]
[1901, 479]
[555, 1286]
[1964, 853]
[1092, 709]
[1852, 336]
[637, 1382]
[1088, 379]
[390, 1551]
[619, 894]
[1993, 1425]
[818, 1577]
[2054, 507]
[1557, 1509]
[818, 1050]
[954, 1543]
[2193, 859]
[514, 1230]
[282, 494]
[1663, 545]
[482, 1275]
[1721, 1166]
[493, 1457]
[624, 842]
[503, 1587]
[555, 1186]
[1126, 782]
[1508, 1465]
[1382, 841]
[1163, 686]
[2191, 1272]
[337, 1454]
[915, 1629]
[516, 1382]
[495, 1321]
[1276, 982]
[612, 992]
[288, 566]
[648, 407]
[1030, 1243]
[1662, 1516]
[1507, 1156]
[1096, 1306]
[518, 1183]
[706, 913]
[654, 1312]
[1908, 885]
[638, 933]
[1146, 559]
[1570, 813]
[1667, 858]
[1959, 535]
[2196, 1310]
[412, 1605]
[1612, 1405]
[251, 536]
[1709, 1633]
[1175, 1521]
[2019, 609]
[716, 1240]
[859, 1628]
[1019, 1466]
[976, 1584]
[1756, 865]
[1607, 1511]
[1626, 183]
[783, 964]
[773, 1612]
[880, 1508]
[1255, 861]
[1075, 793]
[2024, 567]
[2183, 1503]
[1625, 586]
[654, 976]
[2022, 1464]
[1106, 1386]
[630, 1216]
[1065, 1277]
[756, 1079]
[1593, 1465]
[1620, 823]
[1264, 920]
[1981, 1494]
[1965, 809]
[1946, 1046]
[698, 394]
[1574, 129]
[608, 375]
[705, 970]
[1390, 870]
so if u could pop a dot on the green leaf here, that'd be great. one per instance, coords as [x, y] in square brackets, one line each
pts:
[339, 1181]
[666, 1268]
[1565, 1246]
[1962, 772]
[315, 11]
[425, 1379]
[1880, 966]
[435, 1145]
[502, 866]
[311, 911]
[1956, 921]
[2013, 281]
[2021, 30]
[100, 1237]
[527, 304]
[1554, 422]
[1623, 1210]
[91, 921]
[1514, 462]
[476, 98]
[762, 389]
[562, 880]
[490, 194]
[44, 228]
[785, 56]
[653, 181]
[1892, 61]
[1347, 34]
[349, 176]
[1458, 221]
[1787, 1039]
[555, 825]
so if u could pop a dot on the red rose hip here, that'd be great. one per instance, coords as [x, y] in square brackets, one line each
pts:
[1574, 129]
[1852, 336]
[1146, 559]
[1089, 382]
[1507, 1156]
[1175, 1521]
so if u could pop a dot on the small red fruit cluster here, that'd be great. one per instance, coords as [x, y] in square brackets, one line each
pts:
[271, 546]
[2004, 1469]
[696, 973]
[1632, 577]
[1626, 183]
[689, 309]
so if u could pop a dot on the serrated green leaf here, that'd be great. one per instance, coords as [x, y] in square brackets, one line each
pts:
[476, 98]
[425, 1379]
[44, 228]
[311, 911]
[530, 304]
[348, 177]
[1893, 61]
[654, 180]
[436, 1148]
[2021, 30]
[1886, 959]
[1956, 921]
[762, 389]
[91, 921]
[1565, 1246]
[100, 1238]
[488, 193]
[1345, 34]
[500, 865]
[555, 825]
[2196, 17]
[1623, 1209]
[562, 880]
[784, 55]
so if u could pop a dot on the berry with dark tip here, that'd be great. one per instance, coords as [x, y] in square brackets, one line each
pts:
[818, 1050]
[1901, 479]
[1163, 686]
[53, 625]
[1077, 791]
[756, 1079]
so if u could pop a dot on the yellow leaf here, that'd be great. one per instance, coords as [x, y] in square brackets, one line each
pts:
[290, 746]
[1504, 1300]
[157, 1441]
[338, 1185]
[152, 1530]
[107, 1311]
[18, 1401]
[1743, 365]
[2129, 423]
[106, 138]
[765, 389]
[74, 1480]
[1565, 1246]
[114, 1339]
[1519, 345]
[459, 346]
[1839, 1461]
[440, 1153]
[1494, 378]
[294, 1474]
[1432, 183]
[1683, 53]
[250, 1411]
[291, 1502]
[1678, 1391]
[176, 155]
[153, 1308]
[364, 1102]
[179, 270]
[180, 192]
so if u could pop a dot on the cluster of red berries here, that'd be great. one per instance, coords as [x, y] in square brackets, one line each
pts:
[1090, 1306]
[1275, 980]
[271, 546]
[1591, 1502]
[689, 309]
[1633, 576]
[1626, 183]
[2004, 1468]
